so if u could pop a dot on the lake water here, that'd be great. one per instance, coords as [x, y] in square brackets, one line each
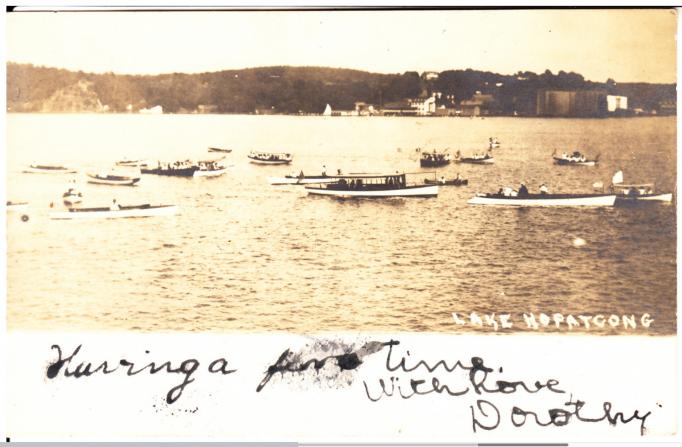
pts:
[242, 255]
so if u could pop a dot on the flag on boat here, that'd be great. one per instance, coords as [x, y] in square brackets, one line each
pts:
[617, 178]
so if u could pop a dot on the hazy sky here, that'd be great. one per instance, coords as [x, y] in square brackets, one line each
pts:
[627, 45]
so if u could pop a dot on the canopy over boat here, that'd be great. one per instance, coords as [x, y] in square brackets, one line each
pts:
[111, 213]
[270, 158]
[373, 186]
[631, 193]
[544, 200]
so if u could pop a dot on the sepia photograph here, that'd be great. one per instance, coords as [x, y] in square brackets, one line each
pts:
[500, 182]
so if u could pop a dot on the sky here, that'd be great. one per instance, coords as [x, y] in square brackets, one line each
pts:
[626, 45]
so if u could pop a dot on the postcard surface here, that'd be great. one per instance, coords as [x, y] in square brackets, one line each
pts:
[357, 226]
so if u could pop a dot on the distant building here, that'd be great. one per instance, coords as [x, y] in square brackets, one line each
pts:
[424, 106]
[430, 75]
[399, 108]
[479, 104]
[582, 103]
[615, 103]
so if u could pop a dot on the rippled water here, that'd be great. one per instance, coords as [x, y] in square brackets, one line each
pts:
[242, 255]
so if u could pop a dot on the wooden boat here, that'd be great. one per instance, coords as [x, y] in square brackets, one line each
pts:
[481, 160]
[268, 158]
[16, 206]
[544, 200]
[112, 179]
[453, 182]
[373, 186]
[131, 163]
[644, 192]
[175, 170]
[219, 149]
[109, 213]
[434, 159]
[210, 172]
[575, 159]
[48, 169]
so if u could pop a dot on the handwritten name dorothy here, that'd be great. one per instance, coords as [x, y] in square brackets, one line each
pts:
[560, 321]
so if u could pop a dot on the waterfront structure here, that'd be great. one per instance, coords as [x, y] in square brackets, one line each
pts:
[615, 103]
[581, 103]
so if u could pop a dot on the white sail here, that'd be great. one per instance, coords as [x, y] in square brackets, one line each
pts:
[327, 111]
[617, 178]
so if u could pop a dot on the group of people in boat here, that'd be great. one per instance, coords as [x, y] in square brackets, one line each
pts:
[575, 157]
[209, 165]
[457, 179]
[478, 156]
[175, 165]
[270, 157]
[435, 157]
[522, 192]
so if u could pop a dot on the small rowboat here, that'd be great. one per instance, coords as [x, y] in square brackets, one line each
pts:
[112, 179]
[48, 169]
[453, 182]
[544, 200]
[267, 158]
[219, 149]
[16, 206]
[631, 200]
[131, 163]
[380, 186]
[208, 172]
[568, 162]
[476, 160]
[109, 213]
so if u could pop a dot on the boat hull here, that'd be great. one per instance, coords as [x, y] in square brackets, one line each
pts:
[482, 161]
[32, 170]
[545, 200]
[625, 200]
[210, 173]
[410, 191]
[259, 161]
[115, 180]
[433, 164]
[182, 172]
[562, 162]
[217, 149]
[106, 213]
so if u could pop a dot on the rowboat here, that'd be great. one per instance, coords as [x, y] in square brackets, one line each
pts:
[48, 169]
[434, 159]
[378, 186]
[112, 179]
[179, 169]
[109, 213]
[575, 159]
[485, 160]
[16, 206]
[644, 192]
[268, 158]
[544, 200]
[453, 182]
[131, 163]
[219, 149]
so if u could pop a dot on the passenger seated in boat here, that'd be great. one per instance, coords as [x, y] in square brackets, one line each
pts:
[343, 182]
[632, 192]
[458, 178]
[324, 170]
[544, 189]
[508, 192]
[523, 191]
[442, 180]
[352, 184]
[114, 206]
[338, 172]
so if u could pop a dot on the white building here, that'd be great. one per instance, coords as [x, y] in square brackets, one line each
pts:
[614, 103]
[424, 106]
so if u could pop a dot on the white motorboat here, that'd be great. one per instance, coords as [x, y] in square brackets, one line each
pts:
[268, 158]
[375, 186]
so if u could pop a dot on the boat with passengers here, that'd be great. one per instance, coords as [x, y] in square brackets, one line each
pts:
[177, 169]
[630, 194]
[574, 159]
[270, 158]
[112, 178]
[476, 159]
[434, 159]
[511, 197]
[373, 186]
[210, 168]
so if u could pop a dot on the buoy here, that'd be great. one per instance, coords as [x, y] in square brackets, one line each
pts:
[579, 242]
